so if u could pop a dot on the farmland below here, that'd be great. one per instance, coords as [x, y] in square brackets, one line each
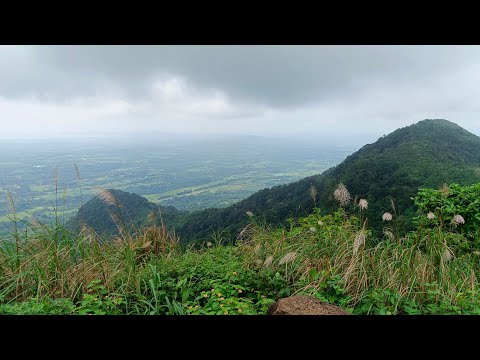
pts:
[188, 173]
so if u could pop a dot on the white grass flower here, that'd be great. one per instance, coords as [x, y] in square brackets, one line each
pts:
[393, 205]
[430, 216]
[147, 244]
[387, 217]
[312, 229]
[359, 241]
[289, 257]
[106, 196]
[209, 244]
[458, 219]
[363, 204]
[320, 222]
[313, 194]
[249, 213]
[268, 261]
[342, 195]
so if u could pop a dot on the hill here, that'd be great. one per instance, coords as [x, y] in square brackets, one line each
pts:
[426, 154]
[128, 209]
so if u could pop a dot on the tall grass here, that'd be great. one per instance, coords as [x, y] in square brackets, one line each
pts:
[429, 270]
[407, 266]
[51, 263]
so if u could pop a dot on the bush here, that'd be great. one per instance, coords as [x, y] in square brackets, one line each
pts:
[447, 202]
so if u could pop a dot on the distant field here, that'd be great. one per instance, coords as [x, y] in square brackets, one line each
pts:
[189, 175]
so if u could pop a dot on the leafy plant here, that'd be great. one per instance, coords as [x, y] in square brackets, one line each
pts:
[447, 202]
[97, 301]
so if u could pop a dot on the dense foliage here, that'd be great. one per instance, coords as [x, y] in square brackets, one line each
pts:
[448, 202]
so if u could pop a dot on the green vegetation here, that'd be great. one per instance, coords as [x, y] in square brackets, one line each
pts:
[120, 211]
[447, 203]
[427, 154]
[390, 171]
[402, 241]
[332, 256]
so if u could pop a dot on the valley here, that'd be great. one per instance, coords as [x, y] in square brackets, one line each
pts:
[190, 174]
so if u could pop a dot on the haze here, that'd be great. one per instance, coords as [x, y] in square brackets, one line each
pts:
[326, 91]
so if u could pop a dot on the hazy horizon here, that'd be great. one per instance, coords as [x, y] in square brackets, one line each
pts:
[149, 137]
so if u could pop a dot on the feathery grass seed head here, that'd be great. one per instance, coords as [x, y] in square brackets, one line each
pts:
[387, 217]
[313, 192]
[458, 219]
[289, 257]
[359, 241]
[342, 195]
[268, 261]
[363, 204]
[106, 196]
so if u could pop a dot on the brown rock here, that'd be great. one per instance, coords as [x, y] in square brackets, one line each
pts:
[304, 305]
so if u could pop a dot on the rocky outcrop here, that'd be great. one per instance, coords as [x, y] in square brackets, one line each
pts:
[304, 305]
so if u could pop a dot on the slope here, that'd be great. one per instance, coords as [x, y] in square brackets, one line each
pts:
[426, 154]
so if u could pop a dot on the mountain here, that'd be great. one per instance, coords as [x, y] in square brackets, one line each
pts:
[426, 154]
[128, 209]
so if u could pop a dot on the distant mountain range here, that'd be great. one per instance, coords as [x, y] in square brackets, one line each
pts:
[426, 154]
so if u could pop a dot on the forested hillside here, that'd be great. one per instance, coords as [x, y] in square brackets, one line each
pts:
[427, 154]
[387, 174]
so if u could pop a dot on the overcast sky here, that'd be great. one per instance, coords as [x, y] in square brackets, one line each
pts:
[58, 91]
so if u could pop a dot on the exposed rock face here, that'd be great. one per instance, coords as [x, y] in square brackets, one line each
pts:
[304, 305]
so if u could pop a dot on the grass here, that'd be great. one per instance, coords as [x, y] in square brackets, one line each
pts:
[145, 274]
[49, 271]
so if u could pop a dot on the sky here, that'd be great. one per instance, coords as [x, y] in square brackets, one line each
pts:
[285, 91]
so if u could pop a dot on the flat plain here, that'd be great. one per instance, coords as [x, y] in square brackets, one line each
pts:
[188, 173]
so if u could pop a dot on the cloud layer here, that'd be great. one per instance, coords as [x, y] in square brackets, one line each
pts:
[53, 90]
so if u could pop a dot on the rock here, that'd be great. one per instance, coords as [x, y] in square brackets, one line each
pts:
[304, 305]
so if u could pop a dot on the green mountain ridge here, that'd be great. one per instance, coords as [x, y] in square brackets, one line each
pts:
[426, 154]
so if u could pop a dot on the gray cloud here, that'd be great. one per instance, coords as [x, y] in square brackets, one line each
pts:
[280, 76]
[249, 89]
